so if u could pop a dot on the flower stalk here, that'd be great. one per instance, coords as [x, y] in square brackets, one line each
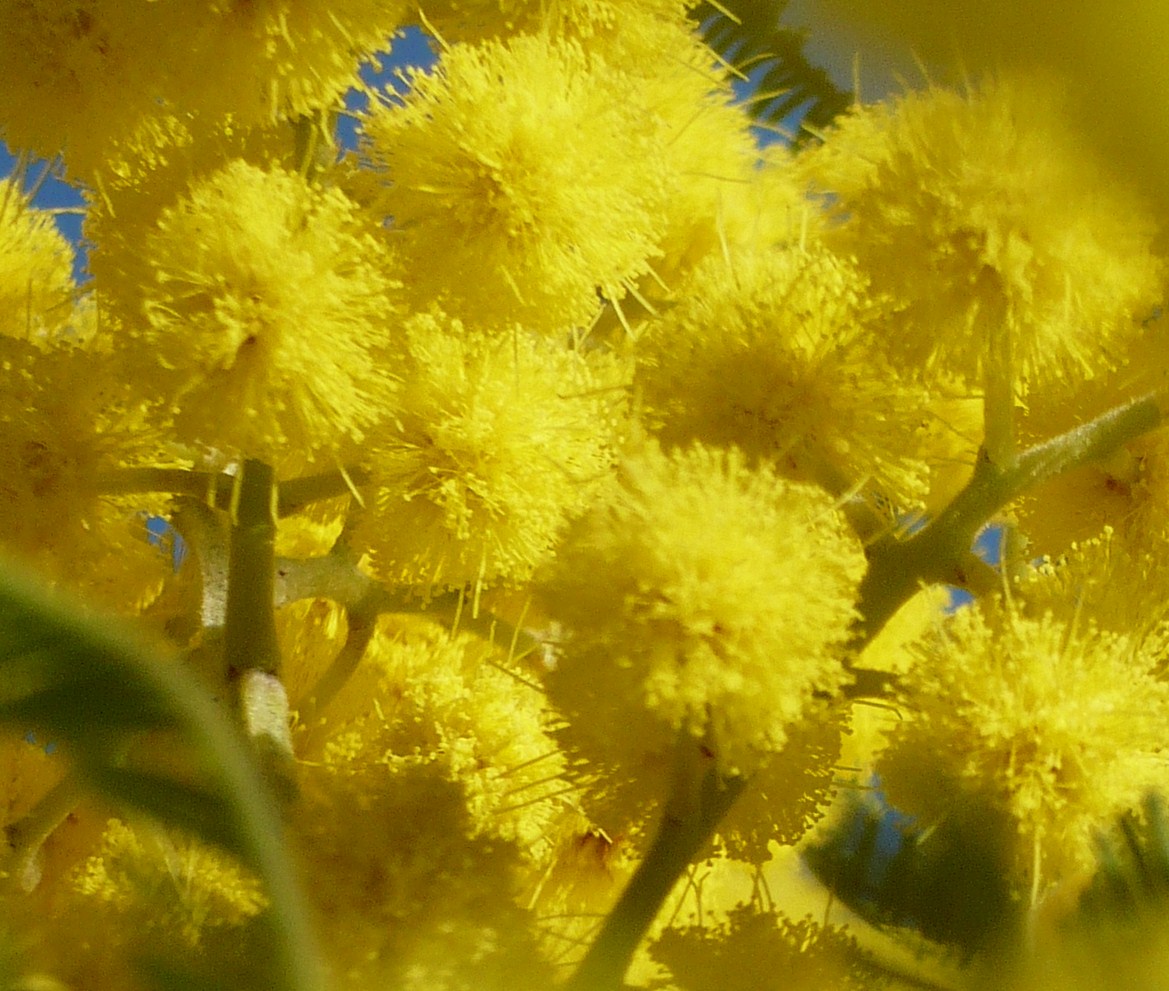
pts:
[699, 798]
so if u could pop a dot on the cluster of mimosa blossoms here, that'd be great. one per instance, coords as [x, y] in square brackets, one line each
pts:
[564, 483]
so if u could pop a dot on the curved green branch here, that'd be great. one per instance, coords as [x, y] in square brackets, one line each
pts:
[940, 551]
[698, 800]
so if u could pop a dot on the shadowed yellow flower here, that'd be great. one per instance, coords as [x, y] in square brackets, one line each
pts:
[459, 703]
[65, 421]
[412, 895]
[732, 955]
[475, 20]
[76, 74]
[78, 77]
[177, 888]
[1054, 723]
[775, 351]
[1108, 55]
[988, 219]
[263, 59]
[789, 792]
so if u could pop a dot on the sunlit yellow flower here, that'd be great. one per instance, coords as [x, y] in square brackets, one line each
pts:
[266, 315]
[83, 76]
[522, 182]
[144, 176]
[704, 597]
[495, 443]
[713, 213]
[716, 185]
[36, 280]
[1117, 580]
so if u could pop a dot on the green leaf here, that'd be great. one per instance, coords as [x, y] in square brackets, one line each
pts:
[1132, 878]
[87, 708]
[190, 807]
[748, 36]
[95, 683]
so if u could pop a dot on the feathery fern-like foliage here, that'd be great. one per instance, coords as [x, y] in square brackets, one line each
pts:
[748, 36]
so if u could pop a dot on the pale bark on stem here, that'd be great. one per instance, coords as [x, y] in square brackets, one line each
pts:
[251, 646]
[28, 834]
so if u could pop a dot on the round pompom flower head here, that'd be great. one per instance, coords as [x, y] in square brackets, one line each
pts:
[527, 165]
[1046, 722]
[36, 279]
[495, 442]
[773, 350]
[701, 596]
[76, 75]
[999, 234]
[266, 315]
[591, 20]
[266, 59]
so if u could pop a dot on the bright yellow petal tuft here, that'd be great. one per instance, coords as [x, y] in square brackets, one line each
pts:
[266, 315]
[1054, 724]
[496, 443]
[703, 596]
[775, 351]
[522, 182]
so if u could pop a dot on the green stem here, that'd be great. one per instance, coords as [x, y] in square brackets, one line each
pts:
[315, 146]
[362, 624]
[250, 623]
[211, 487]
[334, 576]
[250, 644]
[217, 488]
[940, 551]
[699, 799]
[297, 493]
[998, 400]
[73, 644]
